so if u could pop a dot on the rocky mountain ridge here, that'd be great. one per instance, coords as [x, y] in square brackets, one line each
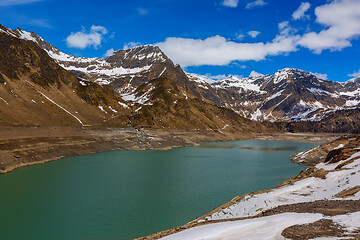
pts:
[125, 70]
[289, 94]
[37, 89]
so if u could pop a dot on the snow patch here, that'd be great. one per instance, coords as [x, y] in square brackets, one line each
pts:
[162, 72]
[352, 103]
[26, 36]
[113, 110]
[246, 84]
[265, 228]
[101, 81]
[142, 99]
[349, 221]
[123, 105]
[102, 109]
[340, 146]
[83, 83]
[199, 78]
[2, 98]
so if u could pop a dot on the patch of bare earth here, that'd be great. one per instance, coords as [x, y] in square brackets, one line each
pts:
[348, 192]
[325, 207]
[321, 228]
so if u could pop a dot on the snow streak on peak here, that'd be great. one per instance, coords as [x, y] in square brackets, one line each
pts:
[200, 78]
[246, 84]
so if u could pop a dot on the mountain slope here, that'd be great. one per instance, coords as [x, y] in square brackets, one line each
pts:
[340, 121]
[35, 90]
[169, 105]
[150, 92]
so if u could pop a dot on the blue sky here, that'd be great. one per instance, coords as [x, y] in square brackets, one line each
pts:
[214, 37]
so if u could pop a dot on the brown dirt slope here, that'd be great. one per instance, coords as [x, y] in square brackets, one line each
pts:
[35, 90]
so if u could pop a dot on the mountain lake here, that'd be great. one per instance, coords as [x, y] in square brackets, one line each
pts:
[130, 194]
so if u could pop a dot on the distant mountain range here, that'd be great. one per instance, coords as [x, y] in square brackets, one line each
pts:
[289, 94]
[141, 86]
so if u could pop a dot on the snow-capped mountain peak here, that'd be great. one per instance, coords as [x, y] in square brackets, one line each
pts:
[288, 94]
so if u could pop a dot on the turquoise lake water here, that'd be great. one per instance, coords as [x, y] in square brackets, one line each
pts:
[129, 194]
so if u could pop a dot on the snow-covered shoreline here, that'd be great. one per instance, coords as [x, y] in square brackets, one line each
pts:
[294, 204]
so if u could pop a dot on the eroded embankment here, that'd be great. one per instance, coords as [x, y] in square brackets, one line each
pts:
[24, 146]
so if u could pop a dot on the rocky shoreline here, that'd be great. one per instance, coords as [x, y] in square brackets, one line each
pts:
[24, 146]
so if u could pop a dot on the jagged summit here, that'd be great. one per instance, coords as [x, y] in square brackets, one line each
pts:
[143, 50]
[292, 70]
[121, 64]
[139, 56]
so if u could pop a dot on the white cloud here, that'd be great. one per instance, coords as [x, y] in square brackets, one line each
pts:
[85, 39]
[255, 74]
[98, 29]
[240, 36]
[285, 28]
[217, 50]
[24, 20]
[131, 45]
[283, 25]
[257, 3]
[342, 21]
[109, 52]
[142, 11]
[321, 76]
[300, 12]
[355, 74]
[39, 23]
[16, 2]
[230, 3]
[253, 34]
